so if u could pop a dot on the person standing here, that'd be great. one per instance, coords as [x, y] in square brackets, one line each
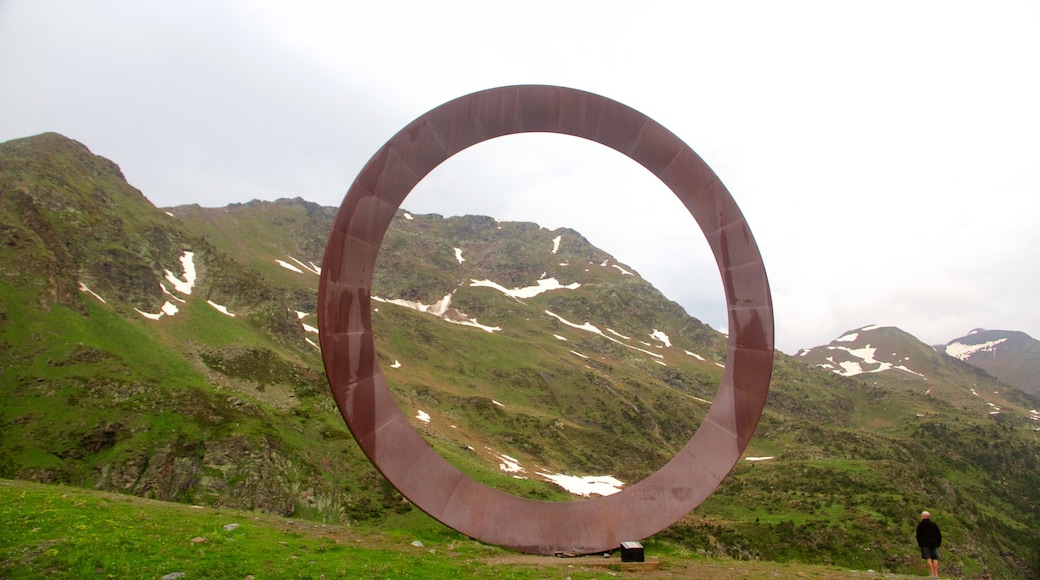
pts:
[929, 538]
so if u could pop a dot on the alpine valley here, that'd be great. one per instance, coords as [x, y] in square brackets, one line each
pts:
[173, 354]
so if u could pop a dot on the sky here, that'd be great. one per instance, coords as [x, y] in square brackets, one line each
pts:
[885, 154]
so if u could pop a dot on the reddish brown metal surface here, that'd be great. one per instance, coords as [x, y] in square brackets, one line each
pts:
[407, 461]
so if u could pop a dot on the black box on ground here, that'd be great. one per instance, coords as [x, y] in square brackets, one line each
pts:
[631, 552]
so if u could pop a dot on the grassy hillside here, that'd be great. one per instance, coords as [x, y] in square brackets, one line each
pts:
[515, 350]
[63, 532]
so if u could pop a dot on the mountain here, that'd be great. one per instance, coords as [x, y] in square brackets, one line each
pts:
[200, 321]
[873, 349]
[890, 357]
[541, 334]
[138, 358]
[1011, 356]
[172, 353]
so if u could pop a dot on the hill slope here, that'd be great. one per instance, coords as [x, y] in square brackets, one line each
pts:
[171, 353]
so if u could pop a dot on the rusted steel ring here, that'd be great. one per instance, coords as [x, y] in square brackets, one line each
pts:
[383, 431]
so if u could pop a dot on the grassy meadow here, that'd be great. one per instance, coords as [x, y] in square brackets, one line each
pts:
[65, 532]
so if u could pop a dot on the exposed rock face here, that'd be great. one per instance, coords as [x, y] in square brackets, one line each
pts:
[235, 471]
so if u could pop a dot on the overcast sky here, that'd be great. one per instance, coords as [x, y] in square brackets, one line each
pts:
[886, 154]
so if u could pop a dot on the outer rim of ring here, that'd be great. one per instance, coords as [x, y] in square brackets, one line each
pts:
[382, 430]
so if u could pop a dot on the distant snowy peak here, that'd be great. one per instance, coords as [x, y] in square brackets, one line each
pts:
[982, 342]
[962, 351]
[1009, 355]
[1012, 357]
[869, 349]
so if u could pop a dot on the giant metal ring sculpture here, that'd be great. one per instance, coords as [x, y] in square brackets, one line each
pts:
[383, 431]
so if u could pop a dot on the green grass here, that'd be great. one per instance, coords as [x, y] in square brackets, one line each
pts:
[117, 344]
[71, 533]
[60, 532]
[63, 532]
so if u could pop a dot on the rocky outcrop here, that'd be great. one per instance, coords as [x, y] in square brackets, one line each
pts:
[236, 471]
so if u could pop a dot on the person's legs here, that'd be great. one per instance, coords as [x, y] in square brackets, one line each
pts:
[931, 556]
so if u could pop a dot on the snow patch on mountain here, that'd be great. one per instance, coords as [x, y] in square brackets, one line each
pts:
[851, 368]
[589, 327]
[308, 267]
[306, 327]
[542, 285]
[441, 309]
[662, 337]
[83, 288]
[509, 464]
[288, 266]
[583, 486]
[221, 309]
[586, 486]
[185, 285]
[437, 308]
[962, 351]
[167, 292]
[159, 314]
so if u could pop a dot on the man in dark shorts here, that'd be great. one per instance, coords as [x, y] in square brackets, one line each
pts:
[929, 538]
